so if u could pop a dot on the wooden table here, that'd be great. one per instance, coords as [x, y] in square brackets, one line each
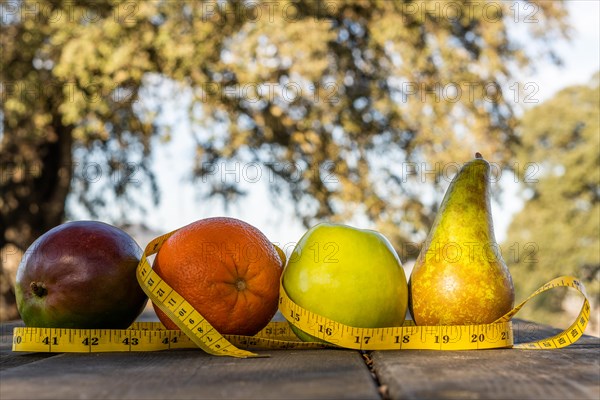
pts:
[569, 373]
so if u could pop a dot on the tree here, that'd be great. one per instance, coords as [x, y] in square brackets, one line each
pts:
[345, 103]
[558, 228]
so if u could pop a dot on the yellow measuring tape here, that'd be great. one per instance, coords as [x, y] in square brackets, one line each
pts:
[196, 331]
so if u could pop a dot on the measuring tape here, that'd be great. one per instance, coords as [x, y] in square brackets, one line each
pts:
[196, 331]
[442, 337]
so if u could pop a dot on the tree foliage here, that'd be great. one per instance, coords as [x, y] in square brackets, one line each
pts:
[336, 99]
[559, 225]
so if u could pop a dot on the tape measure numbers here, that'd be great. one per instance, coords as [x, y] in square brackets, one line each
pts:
[143, 336]
[460, 337]
[196, 331]
[573, 332]
[408, 336]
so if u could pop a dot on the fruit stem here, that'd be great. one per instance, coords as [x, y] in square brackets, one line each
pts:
[38, 289]
[478, 155]
[240, 284]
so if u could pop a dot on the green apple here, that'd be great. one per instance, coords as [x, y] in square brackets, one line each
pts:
[352, 276]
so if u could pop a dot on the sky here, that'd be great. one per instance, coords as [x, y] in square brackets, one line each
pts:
[181, 203]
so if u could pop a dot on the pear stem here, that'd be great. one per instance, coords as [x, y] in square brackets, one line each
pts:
[38, 289]
[478, 155]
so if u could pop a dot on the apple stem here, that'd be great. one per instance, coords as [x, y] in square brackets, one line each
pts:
[38, 289]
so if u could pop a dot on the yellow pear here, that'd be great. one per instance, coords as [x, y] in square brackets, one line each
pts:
[460, 277]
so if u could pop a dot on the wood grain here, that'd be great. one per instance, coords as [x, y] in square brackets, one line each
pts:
[568, 373]
[8, 359]
[192, 374]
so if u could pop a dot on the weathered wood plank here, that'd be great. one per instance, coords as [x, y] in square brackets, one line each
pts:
[8, 359]
[568, 373]
[192, 374]
[573, 372]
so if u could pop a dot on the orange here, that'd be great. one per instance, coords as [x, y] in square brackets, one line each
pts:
[227, 270]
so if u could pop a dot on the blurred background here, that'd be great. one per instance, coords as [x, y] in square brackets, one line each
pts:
[152, 114]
